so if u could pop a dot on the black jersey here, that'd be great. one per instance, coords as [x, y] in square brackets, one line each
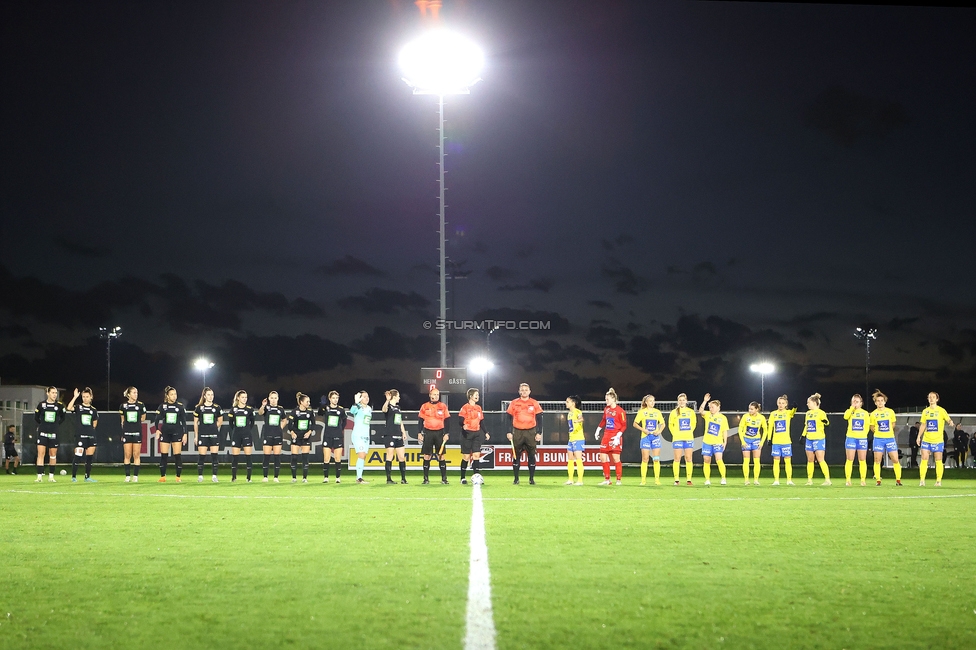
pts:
[49, 416]
[241, 418]
[132, 416]
[273, 415]
[335, 420]
[87, 419]
[171, 418]
[394, 419]
[302, 423]
[8, 439]
[206, 418]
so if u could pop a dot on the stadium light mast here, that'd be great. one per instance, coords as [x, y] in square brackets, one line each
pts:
[203, 365]
[108, 335]
[866, 333]
[763, 368]
[481, 366]
[441, 63]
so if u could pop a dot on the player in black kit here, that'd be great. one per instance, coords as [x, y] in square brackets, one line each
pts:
[333, 434]
[87, 421]
[207, 420]
[271, 433]
[133, 414]
[241, 427]
[395, 433]
[48, 415]
[301, 421]
[10, 449]
[171, 429]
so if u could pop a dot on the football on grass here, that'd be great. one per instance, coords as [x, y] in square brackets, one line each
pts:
[477, 479]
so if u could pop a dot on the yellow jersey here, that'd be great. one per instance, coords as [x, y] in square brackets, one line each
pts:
[753, 426]
[933, 423]
[682, 423]
[575, 422]
[813, 424]
[779, 425]
[857, 422]
[716, 426]
[649, 420]
[883, 423]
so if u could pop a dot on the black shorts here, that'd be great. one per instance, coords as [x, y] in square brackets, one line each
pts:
[210, 440]
[393, 442]
[334, 442]
[242, 439]
[49, 441]
[85, 442]
[272, 441]
[301, 442]
[131, 438]
[9, 451]
[432, 441]
[471, 442]
[171, 438]
[524, 440]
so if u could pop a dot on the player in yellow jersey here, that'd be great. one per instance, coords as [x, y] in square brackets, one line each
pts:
[716, 437]
[650, 423]
[858, 421]
[816, 445]
[682, 422]
[778, 426]
[930, 438]
[883, 426]
[752, 434]
[574, 450]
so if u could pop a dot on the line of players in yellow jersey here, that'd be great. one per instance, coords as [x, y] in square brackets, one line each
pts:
[755, 430]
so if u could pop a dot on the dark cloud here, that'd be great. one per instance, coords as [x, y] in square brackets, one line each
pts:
[847, 116]
[74, 246]
[498, 273]
[557, 324]
[897, 323]
[385, 301]
[542, 284]
[807, 319]
[648, 353]
[604, 337]
[716, 336]
[624, 279]
[525, 251]
[276, 356]
[349, 265]
[602, 304]
[385, 343]
[565, 383]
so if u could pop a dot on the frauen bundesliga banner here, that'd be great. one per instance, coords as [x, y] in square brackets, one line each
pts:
[492, 457]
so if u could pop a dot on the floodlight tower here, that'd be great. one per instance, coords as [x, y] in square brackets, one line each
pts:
[763, 368]
[109, 335]
[866, 333]
[203, 365]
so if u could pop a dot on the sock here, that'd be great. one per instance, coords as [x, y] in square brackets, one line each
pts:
[825, 469]
[897, 468]
[877, 470]
[756, 466]
[689, 469]
[233, 468]
[250, 465]
[294, 466]
[862, 466]
[789, 468]
[676, 466]
[515, 469]
[179, 464]
[721, 466]
[265, 462]
[214, 463]
[389, 470]
[304, 465]
[277, 465]
[571, 467]
[776, 469]
[74, 466]
[163, 462]
[40, 471]
[325, 468]
[657, 469]
[939, 470]
[127, 469]
[443, 465]
[88, 464]
[643, 471]
[135, 469]
[201, 459]
[606, 471]
[360, 464]
[923, 467]
[532, 468]
[619, 470]
[464, 468]
[745, 468]
[848, 469]
[579, 469]
[809, 470]
[403, 470]
[426, 469]
[338, 467]
[707, 468]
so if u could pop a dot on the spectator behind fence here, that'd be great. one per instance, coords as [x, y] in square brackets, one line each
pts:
[913, 444]
[960, 441]
[972, 448]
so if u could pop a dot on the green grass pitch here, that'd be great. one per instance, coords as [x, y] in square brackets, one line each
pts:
[115, 565]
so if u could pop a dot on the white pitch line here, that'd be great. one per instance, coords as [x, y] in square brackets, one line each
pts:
[480, 623]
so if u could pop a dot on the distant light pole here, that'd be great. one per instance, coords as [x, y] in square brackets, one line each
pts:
[764, 368]
[203, 365]
[108, 335]
[441, 63]
[482, 366]
[866, 333]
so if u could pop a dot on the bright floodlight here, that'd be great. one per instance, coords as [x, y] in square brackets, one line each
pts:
[763, 368]
[202, 364]
[480, 365]
[441, 63]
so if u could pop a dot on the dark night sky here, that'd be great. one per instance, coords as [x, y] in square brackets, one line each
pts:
[684, 188]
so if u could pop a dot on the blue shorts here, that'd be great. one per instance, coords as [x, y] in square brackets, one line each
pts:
[650, 442]
[934, 447]
[711, 450]
[751, 444]
[882, 445]
[816, 445]
[683, 444]
[576, 445]
[786, 451]
[861, 444]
